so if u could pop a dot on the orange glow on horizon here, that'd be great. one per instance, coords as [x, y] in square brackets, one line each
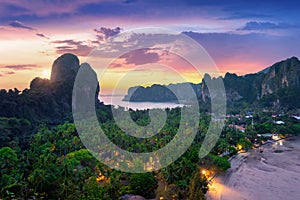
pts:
[29, 49]
[22, 79]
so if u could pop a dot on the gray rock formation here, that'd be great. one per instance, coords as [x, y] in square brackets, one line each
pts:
[281, 75]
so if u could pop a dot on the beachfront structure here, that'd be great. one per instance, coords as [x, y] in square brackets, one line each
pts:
[237, 127]
[265, 135]
[296, 117]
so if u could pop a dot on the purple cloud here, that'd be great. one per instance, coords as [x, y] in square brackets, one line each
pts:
[253, 25]
[68, 42]
[104, 33]
[18, 24]
[140, 57]
[243, 53]
[42, 35]
[41, 9]
[244, 15]
[71, 46]
[129, 1]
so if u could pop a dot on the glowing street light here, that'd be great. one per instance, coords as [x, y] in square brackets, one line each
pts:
[239, 147]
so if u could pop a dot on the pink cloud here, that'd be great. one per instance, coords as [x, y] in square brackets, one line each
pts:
[19, 67]
[131, 60]
[140, 57]
[176, 62]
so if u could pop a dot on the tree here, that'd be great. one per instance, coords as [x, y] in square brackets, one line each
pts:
[198, 186]
[221, 146]
[251, 134]
[143, 184]
[222, 163]
[92, 190]
[244, 143]
[11, 177]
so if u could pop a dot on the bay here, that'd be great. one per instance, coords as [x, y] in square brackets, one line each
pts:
[116, 101]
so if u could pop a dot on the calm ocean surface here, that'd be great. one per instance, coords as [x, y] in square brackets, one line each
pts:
[117, 101]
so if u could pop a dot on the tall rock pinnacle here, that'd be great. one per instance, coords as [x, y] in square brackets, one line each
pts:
[65, 68]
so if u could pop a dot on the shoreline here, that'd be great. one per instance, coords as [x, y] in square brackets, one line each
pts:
[270, 175]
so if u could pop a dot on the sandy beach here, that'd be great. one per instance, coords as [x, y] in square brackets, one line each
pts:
[271, 175]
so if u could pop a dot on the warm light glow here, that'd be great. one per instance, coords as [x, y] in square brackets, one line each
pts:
[100, 177]
[46, 73]
[239, 147]
[203, 172]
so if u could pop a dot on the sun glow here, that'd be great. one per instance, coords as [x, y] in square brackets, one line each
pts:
[46, 73]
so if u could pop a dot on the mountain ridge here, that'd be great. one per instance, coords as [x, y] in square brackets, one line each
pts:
[281, 77]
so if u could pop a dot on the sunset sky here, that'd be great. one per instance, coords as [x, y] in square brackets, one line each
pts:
[240, 36]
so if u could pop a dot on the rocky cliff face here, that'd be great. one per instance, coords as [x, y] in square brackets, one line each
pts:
[281, 75]
[281, 79]
[284, 75]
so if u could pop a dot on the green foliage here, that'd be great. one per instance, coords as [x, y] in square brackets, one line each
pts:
[8, 158]
[183, 168]
[143, 184]
[289, 97]
[284, 130]
[55, 164]
[198, 186]
[92, 190]
[232, 151]
[14, 131]
[221, 146]
[296, 128]
[232, 135]
[11, 178]
[215, 163]
[244, 143]
[221, 162]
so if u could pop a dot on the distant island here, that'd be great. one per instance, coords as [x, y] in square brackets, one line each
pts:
[277, 85]
[160, 93]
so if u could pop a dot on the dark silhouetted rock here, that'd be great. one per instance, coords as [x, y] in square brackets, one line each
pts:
[160, 93]
[65, 68]
[39, 83]
[49, 100]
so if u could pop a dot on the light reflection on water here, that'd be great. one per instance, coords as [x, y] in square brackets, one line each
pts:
[117, 101]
